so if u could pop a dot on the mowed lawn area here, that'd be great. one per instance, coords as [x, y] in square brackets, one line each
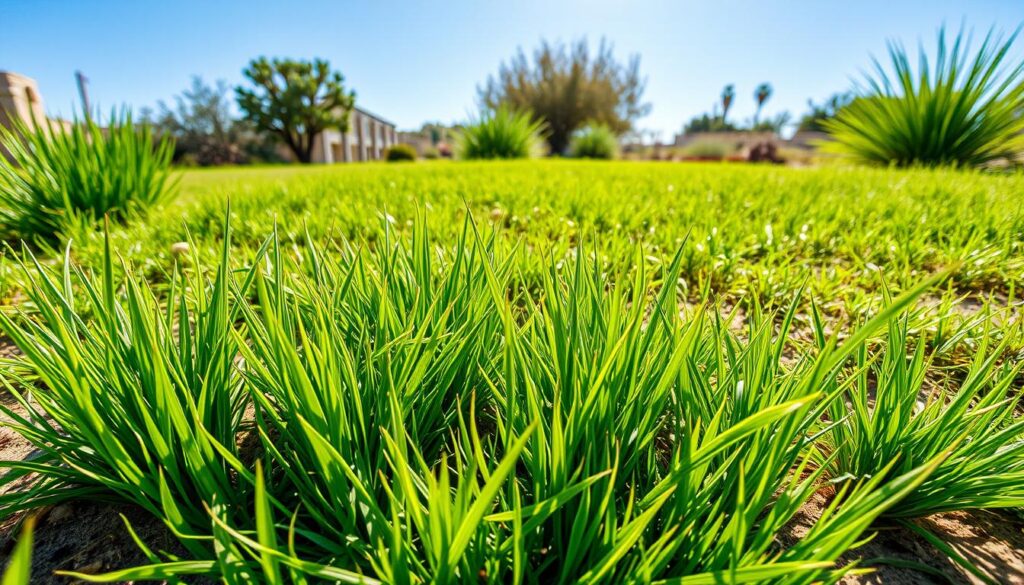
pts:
[741, 230]
[532, 372]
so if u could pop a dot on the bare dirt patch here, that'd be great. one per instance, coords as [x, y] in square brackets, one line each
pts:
[992, 541]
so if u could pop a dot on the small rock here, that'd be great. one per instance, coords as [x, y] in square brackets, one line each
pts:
[60, 513]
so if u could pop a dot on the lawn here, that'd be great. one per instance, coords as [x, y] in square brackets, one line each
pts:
[533, 372]
[742, 230]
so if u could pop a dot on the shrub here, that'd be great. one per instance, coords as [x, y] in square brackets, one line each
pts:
[502, 133]
[56, 179]
[707, 149]
[596, 141]
[964, 112]
[400, 152]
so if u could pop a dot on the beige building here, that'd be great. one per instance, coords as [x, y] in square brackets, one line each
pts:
[367, 138]
[20, 100]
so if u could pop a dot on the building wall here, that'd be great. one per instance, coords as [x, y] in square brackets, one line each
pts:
[20, 99]
[367, 139]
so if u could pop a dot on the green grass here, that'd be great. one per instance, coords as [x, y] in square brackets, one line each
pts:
[529, 372]
[750, 230]
[59, 181]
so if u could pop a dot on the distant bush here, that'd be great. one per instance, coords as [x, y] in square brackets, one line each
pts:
[431, 153]
[708, 149]
[596, 141]
[501, 134]
[399, 153]
[967, 111]
[57, 178]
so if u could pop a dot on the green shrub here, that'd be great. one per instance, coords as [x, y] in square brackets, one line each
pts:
[708, 149]
[57, 178]
[501, 134]
[967, 111]
[595, 141]
[399, 153]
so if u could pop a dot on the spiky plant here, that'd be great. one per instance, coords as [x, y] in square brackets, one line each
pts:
[57, 178]
[502, 133]
[140, 402]
[964, 108]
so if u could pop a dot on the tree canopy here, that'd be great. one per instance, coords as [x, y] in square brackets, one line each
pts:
[567, 87]
[295, 100]
[204, 130]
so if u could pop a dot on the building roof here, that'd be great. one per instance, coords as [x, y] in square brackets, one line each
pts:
[370, 114]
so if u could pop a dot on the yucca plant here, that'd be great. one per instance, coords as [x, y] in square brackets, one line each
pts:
[502, 133]
[594, 141]
[58, 178]
[965, 111]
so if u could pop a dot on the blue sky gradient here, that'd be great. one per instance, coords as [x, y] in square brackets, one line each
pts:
[416, 61]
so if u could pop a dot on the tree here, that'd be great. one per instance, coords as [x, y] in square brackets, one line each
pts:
[568, 88]
[708, 123]
[295, 100]
[776, 124]
[202, 126]
[813, 121]
[728, 94]
[761, 94]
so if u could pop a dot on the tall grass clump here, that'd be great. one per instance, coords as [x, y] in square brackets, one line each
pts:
[594, 141]
[896, 414]
[60, 177]
[962, 109]
[126, 396]
[445, 414]
[502, 133]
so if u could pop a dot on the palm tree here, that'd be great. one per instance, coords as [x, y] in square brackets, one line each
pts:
[727, 95]
[762, 93]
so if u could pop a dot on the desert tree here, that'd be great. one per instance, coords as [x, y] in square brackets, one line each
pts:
[201, 123]
[569, 86]
[728, 95]
[761, 94]
[295, 100]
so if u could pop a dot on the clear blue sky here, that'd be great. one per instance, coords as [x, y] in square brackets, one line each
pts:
[417, 61]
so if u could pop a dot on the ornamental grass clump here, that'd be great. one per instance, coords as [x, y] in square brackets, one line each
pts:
[128, 397]
[502, 133]
[594, 141]
[59, 178]
[962, 109]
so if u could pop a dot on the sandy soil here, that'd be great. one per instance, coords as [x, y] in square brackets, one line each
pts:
[993, 541]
